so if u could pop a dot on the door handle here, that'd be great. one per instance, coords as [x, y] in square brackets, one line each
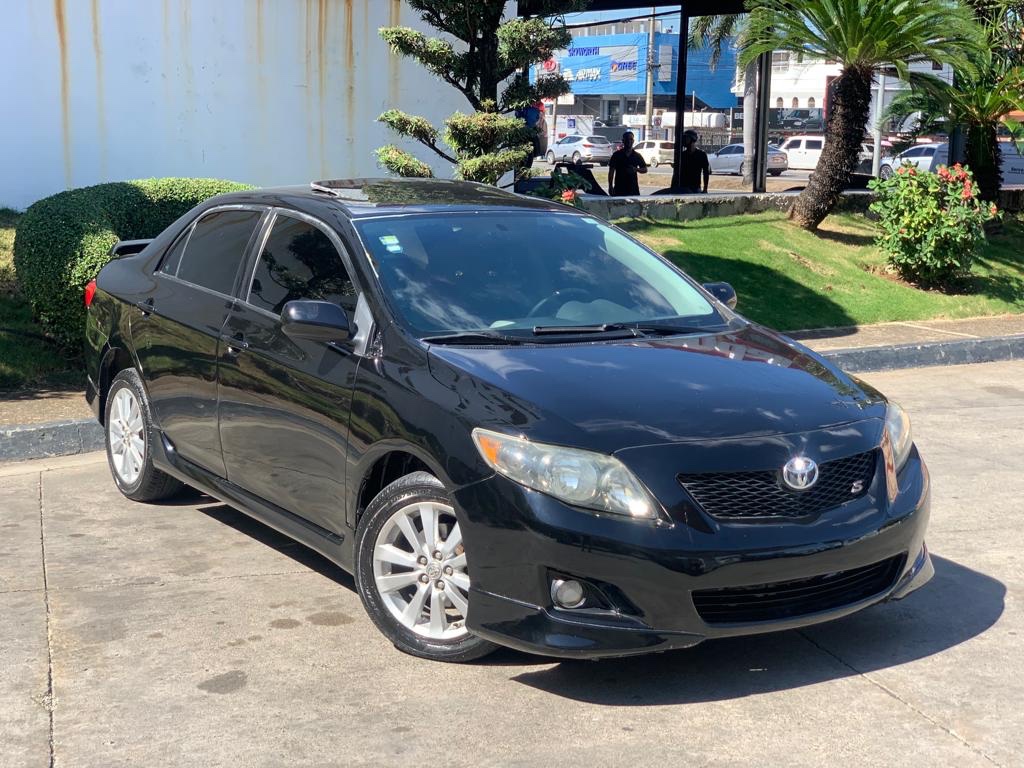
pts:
[146, 306]
[235, 343]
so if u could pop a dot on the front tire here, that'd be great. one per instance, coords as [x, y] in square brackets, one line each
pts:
[411, 571]
[129, 436]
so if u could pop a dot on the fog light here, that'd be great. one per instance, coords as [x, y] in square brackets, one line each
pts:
[567, 593]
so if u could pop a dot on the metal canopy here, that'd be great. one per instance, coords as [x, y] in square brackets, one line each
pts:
[688, 10]
[693, 8]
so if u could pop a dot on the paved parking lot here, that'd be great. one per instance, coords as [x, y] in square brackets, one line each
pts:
[186, 634]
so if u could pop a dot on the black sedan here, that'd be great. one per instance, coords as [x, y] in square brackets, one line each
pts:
[512, 423]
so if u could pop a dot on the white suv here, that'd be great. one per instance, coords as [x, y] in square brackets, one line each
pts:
[655, 153]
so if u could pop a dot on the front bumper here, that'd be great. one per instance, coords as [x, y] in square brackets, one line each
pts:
[649, 571]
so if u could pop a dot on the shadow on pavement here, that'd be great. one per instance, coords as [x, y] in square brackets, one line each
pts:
[957, 605]
[266, 535]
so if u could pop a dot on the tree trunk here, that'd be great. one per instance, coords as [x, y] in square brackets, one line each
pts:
[983, 158]
[844, 133]
[749, 124]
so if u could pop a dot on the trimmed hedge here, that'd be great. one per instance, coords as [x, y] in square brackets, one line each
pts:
[64, 240]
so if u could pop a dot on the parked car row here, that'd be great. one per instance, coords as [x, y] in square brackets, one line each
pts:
[928, 157]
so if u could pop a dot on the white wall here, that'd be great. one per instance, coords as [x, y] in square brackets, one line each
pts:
[261, 91]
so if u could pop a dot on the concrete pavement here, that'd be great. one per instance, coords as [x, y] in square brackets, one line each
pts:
[186, 634]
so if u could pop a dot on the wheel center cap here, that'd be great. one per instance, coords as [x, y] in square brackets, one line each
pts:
[434, 571]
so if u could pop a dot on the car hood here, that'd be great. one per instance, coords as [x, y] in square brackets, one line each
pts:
[607, 396]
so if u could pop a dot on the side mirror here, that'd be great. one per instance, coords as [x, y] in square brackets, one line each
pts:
[315, 321]
[724, 292]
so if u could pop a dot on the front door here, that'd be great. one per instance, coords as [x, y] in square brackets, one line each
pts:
[284, 402]
[176, 334]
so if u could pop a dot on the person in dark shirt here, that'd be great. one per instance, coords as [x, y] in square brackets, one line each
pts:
[623, 167]
[694, 170]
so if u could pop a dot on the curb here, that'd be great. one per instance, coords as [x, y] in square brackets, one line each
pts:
[56, 438]
[956, 352]
[66, 438]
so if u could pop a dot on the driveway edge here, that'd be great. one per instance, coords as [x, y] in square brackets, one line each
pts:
[66, 438]
[955, 352]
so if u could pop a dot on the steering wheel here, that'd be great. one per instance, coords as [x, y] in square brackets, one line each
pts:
[560, 294]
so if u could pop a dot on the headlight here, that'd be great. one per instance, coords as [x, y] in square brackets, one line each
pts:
[580, 478]
[897, 424]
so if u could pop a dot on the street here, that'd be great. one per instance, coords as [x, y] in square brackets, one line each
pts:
[661, 177]
[186, 634]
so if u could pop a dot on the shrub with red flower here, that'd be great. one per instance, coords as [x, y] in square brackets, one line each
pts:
[931, 225]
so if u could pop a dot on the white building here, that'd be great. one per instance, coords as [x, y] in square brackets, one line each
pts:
[801, 84]
[261, 91]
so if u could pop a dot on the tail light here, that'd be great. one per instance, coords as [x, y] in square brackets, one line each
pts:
[90, 292]
[589, 146]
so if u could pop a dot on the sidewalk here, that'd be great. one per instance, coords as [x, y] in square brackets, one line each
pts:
[910, 332]
[42, 424]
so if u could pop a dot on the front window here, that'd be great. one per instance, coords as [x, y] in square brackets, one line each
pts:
[514, 272]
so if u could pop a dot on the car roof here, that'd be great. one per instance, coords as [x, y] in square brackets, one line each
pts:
[365, 198]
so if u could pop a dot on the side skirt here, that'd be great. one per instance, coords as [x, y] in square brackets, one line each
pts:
[335, 547]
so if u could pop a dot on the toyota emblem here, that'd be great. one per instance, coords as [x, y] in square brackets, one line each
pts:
[800, 473]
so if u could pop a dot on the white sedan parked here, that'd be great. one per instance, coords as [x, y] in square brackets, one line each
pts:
[729, 159]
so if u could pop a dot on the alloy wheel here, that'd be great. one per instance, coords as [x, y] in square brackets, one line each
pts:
[127, 436]
[419, 568]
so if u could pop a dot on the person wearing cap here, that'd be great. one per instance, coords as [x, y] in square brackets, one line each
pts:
[694, 170]
[623, 168]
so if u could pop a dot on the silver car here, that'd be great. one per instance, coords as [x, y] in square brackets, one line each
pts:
[729, 159]
[581, 149]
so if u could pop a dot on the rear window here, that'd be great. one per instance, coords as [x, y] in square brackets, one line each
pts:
[598, 140]
[216, 248]
[668, 145]
[814, 144]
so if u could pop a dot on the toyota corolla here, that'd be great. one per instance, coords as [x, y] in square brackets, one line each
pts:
[513, 423]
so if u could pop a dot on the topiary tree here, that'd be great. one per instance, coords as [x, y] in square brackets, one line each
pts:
[490, 70]
[63, 241]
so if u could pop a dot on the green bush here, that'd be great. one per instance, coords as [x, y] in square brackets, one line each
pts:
[62, 241]
[931, 225]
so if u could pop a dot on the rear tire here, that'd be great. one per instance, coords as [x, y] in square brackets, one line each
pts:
[775, 173]
[576, 158]
[551, 157]
[417, 591]
[884, 172]
[654, 162]
[130, 434]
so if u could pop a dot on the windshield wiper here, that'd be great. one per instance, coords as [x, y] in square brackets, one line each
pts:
[637, 329]
[472, 337]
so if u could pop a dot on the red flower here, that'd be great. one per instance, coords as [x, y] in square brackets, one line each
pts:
[993, 210]
[569, 196]
[968, 193]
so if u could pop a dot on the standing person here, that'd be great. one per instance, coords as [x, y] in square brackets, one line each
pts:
[693, 166]
[623, 167]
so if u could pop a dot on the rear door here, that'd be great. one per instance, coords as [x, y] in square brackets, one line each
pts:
[812, 152]
[176, 333]
[284, 402]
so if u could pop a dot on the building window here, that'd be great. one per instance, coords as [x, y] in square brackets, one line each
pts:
[796, 102]
[810, 102]
[780, 61]
[779, 103]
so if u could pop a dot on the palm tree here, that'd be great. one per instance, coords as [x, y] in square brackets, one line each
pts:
[716, 33]
[861, 35]
[980, 99]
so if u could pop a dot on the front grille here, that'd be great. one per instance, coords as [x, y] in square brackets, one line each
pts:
[787, 599]
[732, 495]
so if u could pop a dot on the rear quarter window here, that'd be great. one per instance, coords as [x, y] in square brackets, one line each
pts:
[216, 248]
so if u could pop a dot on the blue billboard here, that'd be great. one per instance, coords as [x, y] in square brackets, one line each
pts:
[599, 65]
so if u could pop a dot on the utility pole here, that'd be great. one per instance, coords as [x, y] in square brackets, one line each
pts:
[649, 95]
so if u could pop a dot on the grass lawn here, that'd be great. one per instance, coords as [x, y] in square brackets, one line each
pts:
[790, 279]
[27, 359]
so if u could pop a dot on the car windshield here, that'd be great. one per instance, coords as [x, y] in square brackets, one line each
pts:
[514, 272]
